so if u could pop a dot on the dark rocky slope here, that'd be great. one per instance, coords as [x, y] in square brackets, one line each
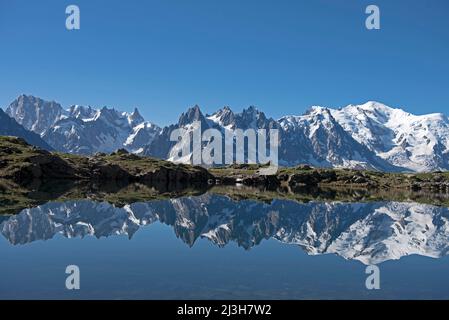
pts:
[10, 127]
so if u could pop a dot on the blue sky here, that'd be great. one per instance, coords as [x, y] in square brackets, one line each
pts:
[281, 56]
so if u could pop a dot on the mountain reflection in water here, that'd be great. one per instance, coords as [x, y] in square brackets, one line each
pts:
[371, 232]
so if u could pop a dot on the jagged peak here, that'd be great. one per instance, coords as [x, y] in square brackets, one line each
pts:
[135, 116]
[318, 112]
[76, 107]
[106, 113]
[192, 114]
[81, 112]
[251, 110]
[316, 109]
[224, 116]
[195, 110]
[224, 110]
[33, 99]
[25, 96]
[136, 112]
[107, 110]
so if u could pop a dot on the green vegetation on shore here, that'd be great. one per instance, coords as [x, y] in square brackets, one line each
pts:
[22, 163]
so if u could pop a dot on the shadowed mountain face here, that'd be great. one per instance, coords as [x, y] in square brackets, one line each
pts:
[10, 127]
[369, 232]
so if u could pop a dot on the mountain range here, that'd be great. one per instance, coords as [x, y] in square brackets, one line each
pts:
[82, 130]
[368, 136]
[371, 232]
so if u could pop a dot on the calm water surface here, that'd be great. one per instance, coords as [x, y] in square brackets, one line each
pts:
[213, 247]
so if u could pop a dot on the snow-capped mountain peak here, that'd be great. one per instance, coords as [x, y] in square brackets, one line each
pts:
[414, 142]
[142, 135]
[33, 113]
[81, 112]
[81, 129]
[224, 117]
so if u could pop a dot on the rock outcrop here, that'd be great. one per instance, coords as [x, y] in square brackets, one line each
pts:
[22, 163]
